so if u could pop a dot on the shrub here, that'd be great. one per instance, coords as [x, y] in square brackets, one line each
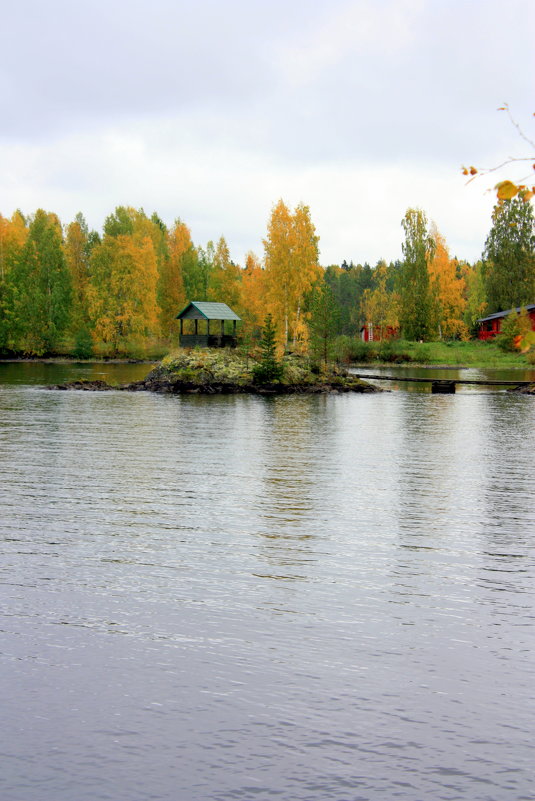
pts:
[348, 349]
[514, 329]
[83, 344]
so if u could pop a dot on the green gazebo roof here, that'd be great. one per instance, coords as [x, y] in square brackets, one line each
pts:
[208, 311]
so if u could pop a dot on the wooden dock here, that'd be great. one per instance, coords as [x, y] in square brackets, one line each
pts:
[444, 385]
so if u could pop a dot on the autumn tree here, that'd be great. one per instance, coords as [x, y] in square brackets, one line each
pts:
[509, 256]
[252, 303]
[171, 289]
[418, 250]
[122, 292]
[447, 288]
[13, 234]
[520, 187]
[292, 269]
[225, 278]
[77, 250]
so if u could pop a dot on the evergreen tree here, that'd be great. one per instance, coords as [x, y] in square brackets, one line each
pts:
[269, 368]
[509, 269]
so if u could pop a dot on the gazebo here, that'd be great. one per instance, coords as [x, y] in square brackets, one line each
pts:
[206, 310]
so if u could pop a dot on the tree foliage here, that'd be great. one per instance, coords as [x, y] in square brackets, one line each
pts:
[447, 290]
[72, 291]
[507, 189]
[418, 249]
[324, 319]
[292, 269]
[510, 256]
[269, 368]
[40, 288]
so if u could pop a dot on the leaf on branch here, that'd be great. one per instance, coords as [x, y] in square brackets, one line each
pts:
[473, 171]
[506, 190]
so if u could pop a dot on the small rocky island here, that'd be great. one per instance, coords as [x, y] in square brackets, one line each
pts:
[226, 371]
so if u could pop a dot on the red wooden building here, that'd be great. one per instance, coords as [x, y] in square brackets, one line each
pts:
[377, 333]
[490, 326]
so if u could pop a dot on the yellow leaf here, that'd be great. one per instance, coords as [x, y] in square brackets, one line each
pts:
[506, 190]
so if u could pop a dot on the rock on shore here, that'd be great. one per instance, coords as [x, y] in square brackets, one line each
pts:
[527, 389]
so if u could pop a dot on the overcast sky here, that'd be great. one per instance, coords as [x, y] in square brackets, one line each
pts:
[213, 110]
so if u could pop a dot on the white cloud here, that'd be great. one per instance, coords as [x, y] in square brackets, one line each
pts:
[356, 28]
[212, 112]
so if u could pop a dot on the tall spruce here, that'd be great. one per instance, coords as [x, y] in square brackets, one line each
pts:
[269, 368]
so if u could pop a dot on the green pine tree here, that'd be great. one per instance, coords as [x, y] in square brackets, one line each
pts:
[268, 369]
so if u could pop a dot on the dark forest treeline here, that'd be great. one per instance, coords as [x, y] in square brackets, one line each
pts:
[66, 289]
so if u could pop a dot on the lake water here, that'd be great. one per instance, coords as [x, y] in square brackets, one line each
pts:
[303, 598]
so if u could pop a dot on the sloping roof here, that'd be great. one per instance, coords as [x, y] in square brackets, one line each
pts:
[210, 311]
[529, 307]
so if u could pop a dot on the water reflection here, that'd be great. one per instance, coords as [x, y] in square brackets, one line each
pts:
[225, 598]
[286, 507]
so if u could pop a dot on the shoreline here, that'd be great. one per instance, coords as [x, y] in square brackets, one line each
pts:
[73, 360]
[349, 365]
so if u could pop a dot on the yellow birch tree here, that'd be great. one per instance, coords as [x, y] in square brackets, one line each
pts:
[447, 288]
[122, 292]
[292, 269]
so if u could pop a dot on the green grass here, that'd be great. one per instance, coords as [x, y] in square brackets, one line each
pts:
[465, 354]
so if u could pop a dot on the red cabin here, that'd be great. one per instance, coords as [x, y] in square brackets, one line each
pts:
[490, 326]
[377, 333]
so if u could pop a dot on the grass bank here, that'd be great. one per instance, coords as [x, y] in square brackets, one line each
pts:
[461, 354]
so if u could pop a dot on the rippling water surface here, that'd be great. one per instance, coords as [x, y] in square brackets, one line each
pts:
[212, 598]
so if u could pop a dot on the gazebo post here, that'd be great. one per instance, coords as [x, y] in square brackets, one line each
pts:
[196, 326]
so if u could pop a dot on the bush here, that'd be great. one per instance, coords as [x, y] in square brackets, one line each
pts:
[83, 344]
[348, 349]
[393, 352]
[422, 355]
[514, 328]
